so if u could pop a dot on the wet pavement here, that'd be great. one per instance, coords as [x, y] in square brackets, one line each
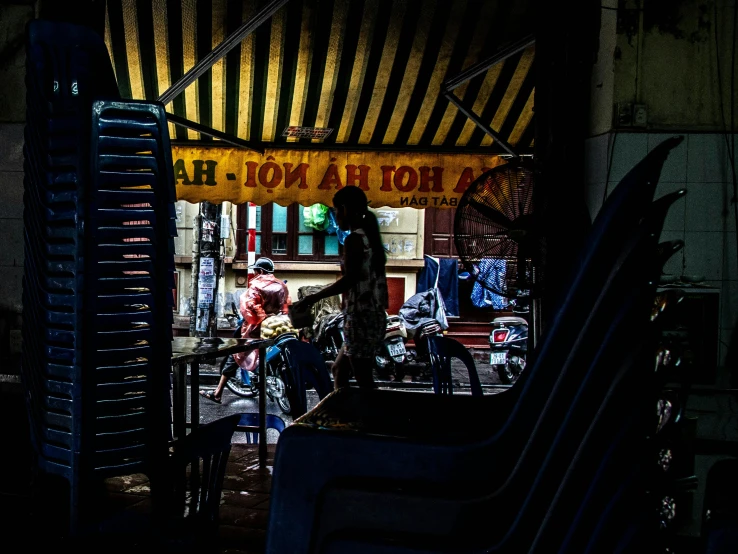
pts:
[231, 403]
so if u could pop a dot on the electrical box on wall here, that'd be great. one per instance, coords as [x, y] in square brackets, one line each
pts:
[623, 114]
[640, 115]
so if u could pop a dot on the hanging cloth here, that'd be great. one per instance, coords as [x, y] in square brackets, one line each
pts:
[491, 270]
[443, 273]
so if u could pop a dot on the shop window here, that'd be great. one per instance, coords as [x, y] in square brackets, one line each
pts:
[281, 234]
[279, 230]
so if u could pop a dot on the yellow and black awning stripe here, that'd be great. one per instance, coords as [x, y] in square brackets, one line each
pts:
[372, 70]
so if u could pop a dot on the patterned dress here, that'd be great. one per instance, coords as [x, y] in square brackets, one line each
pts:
[365, 305]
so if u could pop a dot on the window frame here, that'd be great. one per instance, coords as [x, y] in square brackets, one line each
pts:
[293, 237]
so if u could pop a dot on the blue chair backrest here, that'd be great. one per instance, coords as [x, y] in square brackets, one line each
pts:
[197, 492]
[249, 424]
[442, 349]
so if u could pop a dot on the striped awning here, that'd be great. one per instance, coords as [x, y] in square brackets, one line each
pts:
[370, 70]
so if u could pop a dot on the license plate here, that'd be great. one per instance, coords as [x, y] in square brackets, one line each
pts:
[397, 349]
[498, 358]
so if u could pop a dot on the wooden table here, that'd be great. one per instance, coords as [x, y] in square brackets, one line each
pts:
[191, 351]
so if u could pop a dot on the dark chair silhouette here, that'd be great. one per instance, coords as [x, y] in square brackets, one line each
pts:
[442, 350]
[607, 490]
[521, 500]
[433, 465]
[397, 418]
[307, 367]
[249, 425]
[719, 513]
[198, 466]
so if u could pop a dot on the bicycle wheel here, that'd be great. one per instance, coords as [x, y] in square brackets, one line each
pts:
[238, 387]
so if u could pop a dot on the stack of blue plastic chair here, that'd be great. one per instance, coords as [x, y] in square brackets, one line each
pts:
[451, 473]
[97, 290]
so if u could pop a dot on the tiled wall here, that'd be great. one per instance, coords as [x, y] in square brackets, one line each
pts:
[704, 219]
[11, 216]
[11, 246]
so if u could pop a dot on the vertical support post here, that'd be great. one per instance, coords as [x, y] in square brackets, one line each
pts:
[208, 270]
[251, 240]
[179, 400]
[194, 394]
[194, 273]
[565, 51]
[262, 408]
[217, 263]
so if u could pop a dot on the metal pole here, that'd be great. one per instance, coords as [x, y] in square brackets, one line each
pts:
[210, 250]
[220, 51]
[486, 128]
[194, 394]
[205, 130]
[194, 273]
[484, 65]
[218, 273]
[179, 401]
[262, 409]
[472, 72]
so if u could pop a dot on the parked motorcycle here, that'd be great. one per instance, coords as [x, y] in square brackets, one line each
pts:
[508, 343]
[423, 315]
[389, 359]
[392, 356]
[328, 336]
[278, 377]
[419, 336]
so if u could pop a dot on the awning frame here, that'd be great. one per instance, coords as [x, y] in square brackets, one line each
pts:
[450, 84]
[216, 54]
[205, 130]
[229, 138]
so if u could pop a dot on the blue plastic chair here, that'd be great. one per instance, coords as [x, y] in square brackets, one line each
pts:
[198, 463]
[249, 424]
[442, 349]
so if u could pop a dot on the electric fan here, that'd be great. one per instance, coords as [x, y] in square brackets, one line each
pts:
[497, 234]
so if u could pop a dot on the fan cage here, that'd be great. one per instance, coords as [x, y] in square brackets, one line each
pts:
[495, 231]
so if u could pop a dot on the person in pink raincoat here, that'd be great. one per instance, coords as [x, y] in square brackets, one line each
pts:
[265, 297]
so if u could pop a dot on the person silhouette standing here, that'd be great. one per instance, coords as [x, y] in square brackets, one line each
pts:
[363, 285]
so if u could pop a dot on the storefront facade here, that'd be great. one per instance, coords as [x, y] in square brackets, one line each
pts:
[271, 193]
